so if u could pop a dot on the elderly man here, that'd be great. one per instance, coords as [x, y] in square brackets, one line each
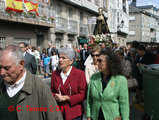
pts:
[30, 63]
[23, 96]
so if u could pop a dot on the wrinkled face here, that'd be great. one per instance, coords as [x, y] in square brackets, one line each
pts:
[64, 61]
[95, 55]
[102, 63]
[9, 70]
[22, 47]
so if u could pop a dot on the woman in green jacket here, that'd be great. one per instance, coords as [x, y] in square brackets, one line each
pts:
[107, 96]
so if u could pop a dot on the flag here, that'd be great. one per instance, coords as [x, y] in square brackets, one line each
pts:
[14, 5]
[30, 6]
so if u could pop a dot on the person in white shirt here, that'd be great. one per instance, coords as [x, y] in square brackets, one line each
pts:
[20, 90]
[54, 61]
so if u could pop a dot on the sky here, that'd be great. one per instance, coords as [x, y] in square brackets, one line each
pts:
[148, 2]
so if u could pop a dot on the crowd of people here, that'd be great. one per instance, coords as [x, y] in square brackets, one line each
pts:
[98, 74]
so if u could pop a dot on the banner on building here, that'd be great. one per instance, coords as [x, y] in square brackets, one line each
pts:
[14, 5]
[30, 6]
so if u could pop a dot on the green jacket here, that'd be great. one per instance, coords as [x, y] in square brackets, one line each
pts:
[113, 101]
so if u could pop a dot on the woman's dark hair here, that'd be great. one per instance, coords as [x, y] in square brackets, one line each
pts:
[113, 62]
[53, 52]
[44, 50]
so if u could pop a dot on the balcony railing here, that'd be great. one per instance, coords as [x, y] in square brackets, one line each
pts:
[125, 27]
[83, 29]
[153, 39]
[45, 18]
[61, 24]
[72, 26]
[152, 23]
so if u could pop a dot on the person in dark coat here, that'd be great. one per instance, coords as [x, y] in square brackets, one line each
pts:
[30, 62]
[144, 58]
[84, 54]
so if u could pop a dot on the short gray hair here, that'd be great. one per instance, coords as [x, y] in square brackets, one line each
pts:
[68, 51]
[16, 53]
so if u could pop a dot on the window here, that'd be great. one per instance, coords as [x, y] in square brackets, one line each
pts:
[16, 41]
[58, 43]
[131, 32]
[2, 42]
[69, 43]
[105, 4]
[124, 6]
[58, 10]
[131, 18]
[81, 17]
[70, 14]
[118, 17]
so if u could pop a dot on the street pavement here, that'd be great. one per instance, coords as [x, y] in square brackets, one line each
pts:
[134, 114]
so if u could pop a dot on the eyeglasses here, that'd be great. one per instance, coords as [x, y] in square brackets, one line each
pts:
[93, 55]
[100, 60]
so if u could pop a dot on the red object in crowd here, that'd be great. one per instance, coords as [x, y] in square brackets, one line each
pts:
[157, 60]
[78, 51]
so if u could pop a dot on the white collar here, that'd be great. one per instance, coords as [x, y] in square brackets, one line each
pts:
[13, 89]
[64, 77]
[24, 53]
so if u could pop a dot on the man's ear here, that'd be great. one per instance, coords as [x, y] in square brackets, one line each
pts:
[22, 63]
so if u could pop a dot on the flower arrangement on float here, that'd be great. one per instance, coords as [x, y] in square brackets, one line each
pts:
[98, 39]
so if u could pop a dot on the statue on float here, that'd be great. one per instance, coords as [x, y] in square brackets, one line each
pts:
[101, 32]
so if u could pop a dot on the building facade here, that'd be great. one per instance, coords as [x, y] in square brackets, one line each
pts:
[119, 20]
[71, 20]
[144, 24]
[25, 27]
[70, 26]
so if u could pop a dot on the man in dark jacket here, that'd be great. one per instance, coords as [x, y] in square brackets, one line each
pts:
[84, 54]
[30, 62]
[144, 58]
[23, 96]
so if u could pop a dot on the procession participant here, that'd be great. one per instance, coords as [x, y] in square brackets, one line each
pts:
[107, 96]
[23, 96]
[69, 86]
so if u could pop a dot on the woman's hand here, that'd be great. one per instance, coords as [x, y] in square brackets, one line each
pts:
[65, 98]
[58, 97]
